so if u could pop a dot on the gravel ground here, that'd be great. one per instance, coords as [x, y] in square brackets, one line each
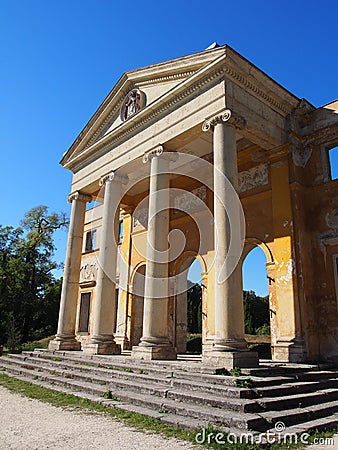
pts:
[28, 424]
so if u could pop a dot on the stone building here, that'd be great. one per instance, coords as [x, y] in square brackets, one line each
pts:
[163, 158]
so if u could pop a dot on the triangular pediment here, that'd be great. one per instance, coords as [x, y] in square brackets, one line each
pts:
[153, 82]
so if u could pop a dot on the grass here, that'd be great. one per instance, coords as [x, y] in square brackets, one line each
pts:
[134, 420]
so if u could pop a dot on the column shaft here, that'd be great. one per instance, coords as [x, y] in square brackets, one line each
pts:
[155, 342]
[65, 337]
[229, 347]
[156, 308]
[229, 316]
[104, 310]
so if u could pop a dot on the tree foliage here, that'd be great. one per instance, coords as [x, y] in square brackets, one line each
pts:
[194, 306]
[29, 293]
[256, 311]
[256, 314]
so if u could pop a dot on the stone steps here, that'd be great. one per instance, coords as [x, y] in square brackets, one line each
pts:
[166, 390]
[218, 385]
[293, 387]
[203, 413]
[180, 393]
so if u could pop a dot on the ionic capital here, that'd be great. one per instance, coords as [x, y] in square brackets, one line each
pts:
[147, 157]
[113, 176]
[158, 151]
[224, 117]
[79, 196]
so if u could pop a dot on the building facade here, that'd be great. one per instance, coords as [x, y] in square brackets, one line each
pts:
[201, 157]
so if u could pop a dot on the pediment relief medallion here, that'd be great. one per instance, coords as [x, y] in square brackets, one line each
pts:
[132, 104]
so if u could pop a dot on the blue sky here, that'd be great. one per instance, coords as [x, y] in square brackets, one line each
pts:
[60, 59]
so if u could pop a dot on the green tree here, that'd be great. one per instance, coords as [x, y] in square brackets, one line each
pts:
[194, 306]
[28, 290]
[256, 313]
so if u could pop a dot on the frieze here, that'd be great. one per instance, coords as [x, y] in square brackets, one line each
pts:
[253, 178]
[88, 271]
[190, 201]
[140, 217]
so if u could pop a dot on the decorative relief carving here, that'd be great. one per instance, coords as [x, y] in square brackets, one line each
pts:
[253, 178]
[190, 201]
[132, 104]
[301, 155]
[140, 217]
[88, 271]
[224, 117]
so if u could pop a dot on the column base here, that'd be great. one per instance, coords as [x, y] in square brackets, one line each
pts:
[155, 352]
[123, 341]
[229, 360]
[289, 351]
[102, 348]
[59, 344]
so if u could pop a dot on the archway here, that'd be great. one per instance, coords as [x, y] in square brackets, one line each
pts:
[137, 306]
[256, 299]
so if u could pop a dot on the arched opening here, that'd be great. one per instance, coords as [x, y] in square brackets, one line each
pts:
[189, 307]
[137, 306]
[256, 302]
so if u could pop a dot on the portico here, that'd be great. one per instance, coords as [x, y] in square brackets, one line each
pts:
[189, 158]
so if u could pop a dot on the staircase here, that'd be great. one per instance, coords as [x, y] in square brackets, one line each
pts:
[184, 393]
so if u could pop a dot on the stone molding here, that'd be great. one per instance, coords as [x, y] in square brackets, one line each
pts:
[79, 196]
[113, 176]
[227, 117]
[169, 77]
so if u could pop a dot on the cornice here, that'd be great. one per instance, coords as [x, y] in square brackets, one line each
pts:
[242, 80]
[169, 77]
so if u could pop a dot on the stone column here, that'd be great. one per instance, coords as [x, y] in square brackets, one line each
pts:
[229, 347]
[104, 310]
[65, 337]
[155, 342]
